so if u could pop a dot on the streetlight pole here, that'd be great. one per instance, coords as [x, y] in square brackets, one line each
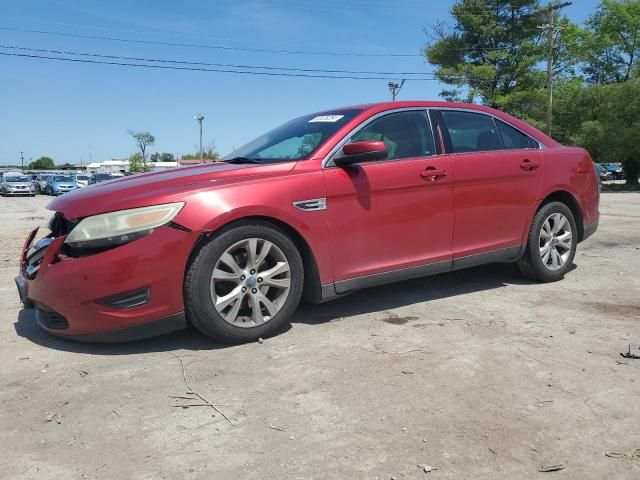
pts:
[199, 118]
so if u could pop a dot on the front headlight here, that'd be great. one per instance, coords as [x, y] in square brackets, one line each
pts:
[116, 228]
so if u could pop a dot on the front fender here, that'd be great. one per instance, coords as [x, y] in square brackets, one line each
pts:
[208, 211]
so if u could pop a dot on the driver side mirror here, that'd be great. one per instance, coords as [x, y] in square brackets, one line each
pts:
[364, 151]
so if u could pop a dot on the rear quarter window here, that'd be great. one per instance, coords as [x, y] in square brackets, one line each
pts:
[471, 132]
[513, 138]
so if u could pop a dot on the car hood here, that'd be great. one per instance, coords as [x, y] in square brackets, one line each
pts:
[158, 187]
[63, 184]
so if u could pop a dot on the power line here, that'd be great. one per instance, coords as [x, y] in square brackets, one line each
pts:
[227, 65]
[215, 47]
[242, 49]
[197, 69]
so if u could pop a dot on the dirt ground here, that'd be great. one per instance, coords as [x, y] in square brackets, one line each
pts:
[477, 374]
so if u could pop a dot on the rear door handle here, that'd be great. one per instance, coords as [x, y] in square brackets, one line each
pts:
[528, 165]
[432, 173]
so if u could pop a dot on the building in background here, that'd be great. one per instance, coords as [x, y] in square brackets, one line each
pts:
[122, 166]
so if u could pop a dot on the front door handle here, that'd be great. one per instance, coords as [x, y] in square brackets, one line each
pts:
[528, 165]
[432, 173]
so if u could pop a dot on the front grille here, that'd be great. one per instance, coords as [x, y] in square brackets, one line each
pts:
[35, 254]
[51, 319]
[59, 225]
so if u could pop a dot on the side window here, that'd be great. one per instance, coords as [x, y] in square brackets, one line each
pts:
[471, 132]
[513, 138]
[406, 134]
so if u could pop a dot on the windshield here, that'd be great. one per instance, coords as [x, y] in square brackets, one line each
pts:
[16, 179]
[82, 177]
[103, 176]
[294, 140]
[61, 179]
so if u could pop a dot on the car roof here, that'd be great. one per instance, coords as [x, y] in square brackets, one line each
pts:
[374, 108]
[415, 103]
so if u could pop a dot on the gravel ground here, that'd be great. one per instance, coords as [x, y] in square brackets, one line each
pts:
[478, 374]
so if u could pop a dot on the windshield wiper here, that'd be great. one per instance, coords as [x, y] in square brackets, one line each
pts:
[243, 160]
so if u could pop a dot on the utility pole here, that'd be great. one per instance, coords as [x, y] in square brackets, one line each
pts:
[21, 160]
[394, 88]
[199, 118]
[551, 29]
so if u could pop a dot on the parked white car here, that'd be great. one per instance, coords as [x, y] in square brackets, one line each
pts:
[82, 180]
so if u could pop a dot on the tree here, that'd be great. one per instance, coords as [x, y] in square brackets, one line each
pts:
[209, 153]
[143, 140]
[493, 54]
[614, 132]
[605, 120]
[136, 165]
[162, 157]
[492, 50]
[612, 42]
[43, 163]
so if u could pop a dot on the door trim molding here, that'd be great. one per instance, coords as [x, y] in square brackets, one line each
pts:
[341, 287]
[344, 286]
[508, 254]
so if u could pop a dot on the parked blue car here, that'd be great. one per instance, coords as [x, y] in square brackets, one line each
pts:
[614, 170]
[59, 184]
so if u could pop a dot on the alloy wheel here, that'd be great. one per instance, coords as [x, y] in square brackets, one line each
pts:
[556, 241]
[250, 282]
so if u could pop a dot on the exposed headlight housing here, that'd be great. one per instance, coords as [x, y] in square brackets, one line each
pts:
[111, 229]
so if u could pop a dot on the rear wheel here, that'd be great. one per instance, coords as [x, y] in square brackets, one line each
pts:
[244, 283]
[551, 244]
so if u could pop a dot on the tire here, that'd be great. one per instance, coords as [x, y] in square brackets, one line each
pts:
[201, 287]
[543, 237]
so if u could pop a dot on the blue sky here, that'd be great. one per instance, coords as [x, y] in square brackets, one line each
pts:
[65, 110]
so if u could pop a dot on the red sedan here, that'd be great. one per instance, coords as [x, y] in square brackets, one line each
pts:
[324, 205]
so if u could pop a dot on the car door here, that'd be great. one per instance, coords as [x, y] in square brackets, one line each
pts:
[393, 214]
[498, 175]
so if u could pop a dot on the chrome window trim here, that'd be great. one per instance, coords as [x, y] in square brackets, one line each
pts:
[471, 110]
[327, 161]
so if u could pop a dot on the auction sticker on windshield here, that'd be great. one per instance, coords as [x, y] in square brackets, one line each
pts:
[326, 118]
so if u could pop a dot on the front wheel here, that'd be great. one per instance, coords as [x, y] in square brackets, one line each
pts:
[244, 283]
[551, 244]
